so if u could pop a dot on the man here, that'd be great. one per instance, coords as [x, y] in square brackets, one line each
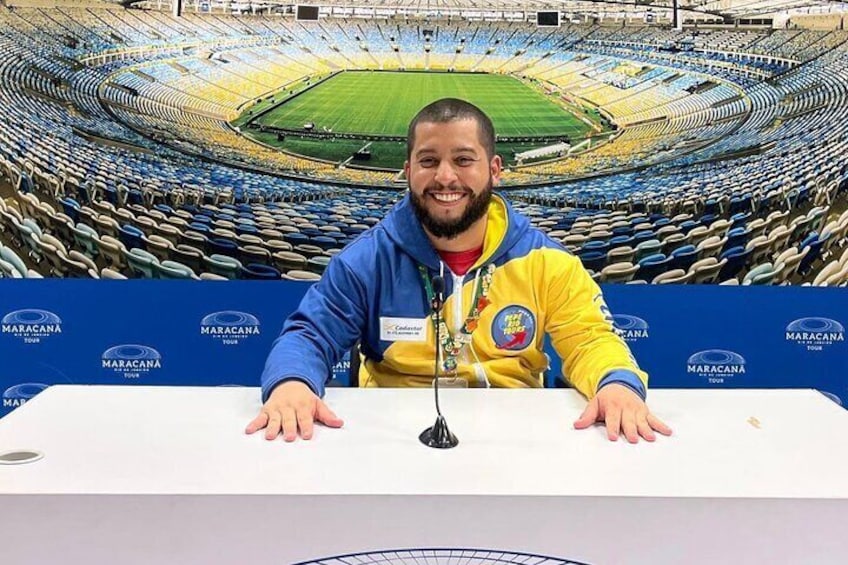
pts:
[507, 284]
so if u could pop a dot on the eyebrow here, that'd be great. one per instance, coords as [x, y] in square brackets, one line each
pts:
[426, 151]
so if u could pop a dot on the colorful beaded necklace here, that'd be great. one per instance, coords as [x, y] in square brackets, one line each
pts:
[451, 345]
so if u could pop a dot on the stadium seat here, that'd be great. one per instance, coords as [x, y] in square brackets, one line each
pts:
[189, 256]
[593, 260]
[761, 274]
[736, 237]
[683, 257]
[173, 270]
[705, 271]
[141, 263]
[318, 264]
[737, 259]
[113, 252]
[675, 276]
[260, 271]
[223, 265]
[814, 246]
[651, 266]
[647, 248]
[254, 254]
[298, 275]
[87, 239]
[621, 272]
[131, 237]
[623, 254]
[107, 273]
[288, 261]
[77, 265]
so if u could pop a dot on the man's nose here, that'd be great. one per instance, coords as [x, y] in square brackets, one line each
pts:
[445, 173]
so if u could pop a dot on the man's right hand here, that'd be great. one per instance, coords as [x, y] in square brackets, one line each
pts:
[292, 406]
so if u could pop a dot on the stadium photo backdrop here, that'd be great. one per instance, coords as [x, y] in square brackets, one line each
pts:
[705, 160]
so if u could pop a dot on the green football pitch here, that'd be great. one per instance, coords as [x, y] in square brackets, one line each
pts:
[383, 103]
[376, 103]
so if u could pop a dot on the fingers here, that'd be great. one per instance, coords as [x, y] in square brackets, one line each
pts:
[613, 420]
[273, 428]
[289, 424]
[257, 423]
[327, 417]
[589, 415]
[645, 429]
[304, 421]
[628, 425]
[658, 425]
[293, 413]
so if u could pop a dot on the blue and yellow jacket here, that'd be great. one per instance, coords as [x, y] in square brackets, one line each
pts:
[374, 291]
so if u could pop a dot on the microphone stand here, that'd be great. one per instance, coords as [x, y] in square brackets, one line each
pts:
[438, 435]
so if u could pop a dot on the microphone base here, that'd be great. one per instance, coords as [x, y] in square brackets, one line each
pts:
[439, 436]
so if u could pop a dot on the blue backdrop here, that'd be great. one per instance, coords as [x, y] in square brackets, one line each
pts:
[57, 331]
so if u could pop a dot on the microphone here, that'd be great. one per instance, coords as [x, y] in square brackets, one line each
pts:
[438, 435]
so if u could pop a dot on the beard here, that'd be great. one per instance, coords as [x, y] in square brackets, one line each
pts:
[476, 208]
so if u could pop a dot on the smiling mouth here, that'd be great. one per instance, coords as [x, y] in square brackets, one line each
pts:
[447, 197]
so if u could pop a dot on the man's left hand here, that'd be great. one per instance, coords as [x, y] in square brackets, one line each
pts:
[623, 411]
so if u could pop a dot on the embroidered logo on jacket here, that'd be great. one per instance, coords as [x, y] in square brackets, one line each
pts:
[513, 328]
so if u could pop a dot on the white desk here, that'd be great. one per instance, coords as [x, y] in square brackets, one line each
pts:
[153, 475]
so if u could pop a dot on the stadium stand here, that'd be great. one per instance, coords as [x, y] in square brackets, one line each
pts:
[120, 159]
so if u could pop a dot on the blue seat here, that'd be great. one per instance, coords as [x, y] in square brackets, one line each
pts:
[683, 257]
[644, 235]
[71, 208]
[221, 246]
[620, 241]
[736, 237]
[739, 219]
[110, 194]
[600, 246]
[737, 258]
[200, 227]
[707, 219]
[295, 238]
[712, 207]
[688, 225]
[311, 232]
[324, 242]
[135, 197]
[131, 237]
[258, 271]
[651, 266]
[814, 243]
[593, 260]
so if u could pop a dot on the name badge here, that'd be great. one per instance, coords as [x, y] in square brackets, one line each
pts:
[403, 329]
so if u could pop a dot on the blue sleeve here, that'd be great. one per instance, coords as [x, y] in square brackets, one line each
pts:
[325, 325]
[626, 378]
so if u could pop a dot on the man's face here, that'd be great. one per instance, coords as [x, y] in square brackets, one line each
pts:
[450, 176]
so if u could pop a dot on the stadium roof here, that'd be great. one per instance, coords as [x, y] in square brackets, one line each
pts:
[728, 9]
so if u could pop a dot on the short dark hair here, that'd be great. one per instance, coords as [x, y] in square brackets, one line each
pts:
[449, 110]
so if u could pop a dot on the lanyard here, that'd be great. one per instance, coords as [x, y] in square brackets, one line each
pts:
[451, 345]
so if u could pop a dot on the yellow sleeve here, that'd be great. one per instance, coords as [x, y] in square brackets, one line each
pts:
[580, 325]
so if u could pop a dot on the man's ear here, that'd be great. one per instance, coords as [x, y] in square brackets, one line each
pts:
[495, 168]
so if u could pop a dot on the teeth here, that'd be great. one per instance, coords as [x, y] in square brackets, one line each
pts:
[447, 197]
